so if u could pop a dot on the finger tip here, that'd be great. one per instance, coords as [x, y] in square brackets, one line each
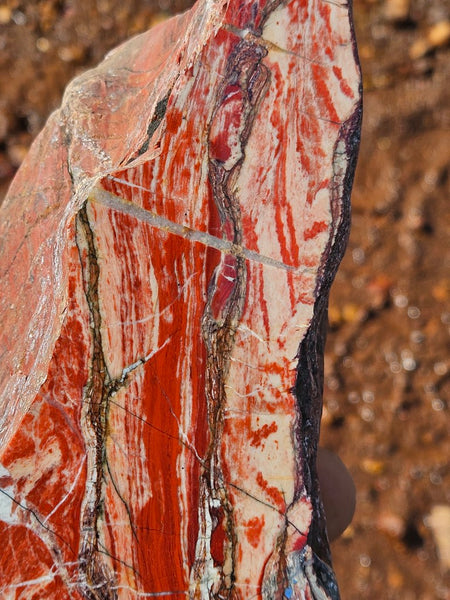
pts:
[338, 492]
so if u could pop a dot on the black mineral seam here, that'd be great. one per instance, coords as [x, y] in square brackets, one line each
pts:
[97, 582]
[97, 579]
[158, 115]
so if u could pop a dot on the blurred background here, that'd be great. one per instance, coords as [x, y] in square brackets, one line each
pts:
[387, 364]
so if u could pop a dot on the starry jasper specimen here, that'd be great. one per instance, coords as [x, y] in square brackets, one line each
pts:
[167, 250]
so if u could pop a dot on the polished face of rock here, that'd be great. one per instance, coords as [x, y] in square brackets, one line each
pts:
[170, 243]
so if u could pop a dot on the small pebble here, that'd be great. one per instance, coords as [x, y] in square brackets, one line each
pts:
[437, 404]
[409, 364]
[362, 343]
[359, 256]
[340, 348]
[430, 180]
[395, 578]
[395, 367]
[441, 291]
[333, 405]
[417, 337]
[378, 291]
[373, 466]
[416, 473]
[413, 312]
[365, 560]
[19, 17]
[391, 524]
[351, 313]
[333, 383]
[390, 356]
[71, 53]
[397, 10]
[384, 143]
[16, 154]
[353, 397]
[435, 478]
[400, 301]
[367, 414]
[368, 396]
[438, 35]
[43, 45]
[429, 387]
[348, 362]
[440, 368]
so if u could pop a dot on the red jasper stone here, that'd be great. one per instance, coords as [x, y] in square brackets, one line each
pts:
[167, 250]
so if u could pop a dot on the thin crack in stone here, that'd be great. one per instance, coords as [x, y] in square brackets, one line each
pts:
[49, 538]
[71, 489]
[151, 594]
[184, 442]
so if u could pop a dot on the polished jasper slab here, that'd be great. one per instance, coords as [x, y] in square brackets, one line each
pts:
[166, 254]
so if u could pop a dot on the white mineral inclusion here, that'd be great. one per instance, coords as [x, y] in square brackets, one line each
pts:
[6, 501]
[276, 27]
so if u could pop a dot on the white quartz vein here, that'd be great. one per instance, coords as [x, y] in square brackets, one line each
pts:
[115, 203]
[164, 310]
[253, 333]
[254, 392]
[47, 535]
[77, 476]
[184, 439]
[249, 36]
[267, 504]
[142, 361]
[39, 580]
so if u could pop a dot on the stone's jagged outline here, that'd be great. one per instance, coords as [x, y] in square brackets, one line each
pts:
[238, 498]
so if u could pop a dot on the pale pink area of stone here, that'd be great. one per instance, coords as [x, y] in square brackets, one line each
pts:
[285, 191]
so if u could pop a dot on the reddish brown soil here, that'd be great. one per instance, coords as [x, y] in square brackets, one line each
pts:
[387, 362]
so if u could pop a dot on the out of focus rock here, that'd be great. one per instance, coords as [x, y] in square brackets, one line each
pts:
[5, 15]
[438, 35]
[391, 524]
[373, 466]
[378, 290]
[439, 523]
[397, 10]
[17, 152]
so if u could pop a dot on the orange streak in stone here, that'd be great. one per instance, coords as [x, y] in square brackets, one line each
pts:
[320, 82]
[254, 529]
[272, 492]
[262, 433]
[317, 228]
